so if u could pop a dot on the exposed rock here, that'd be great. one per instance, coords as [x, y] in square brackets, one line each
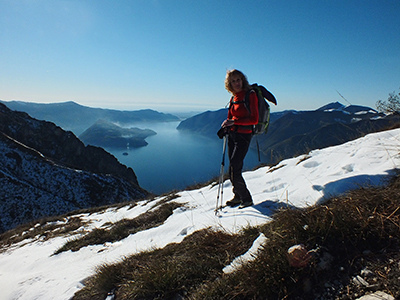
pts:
[358, 280]
[298, 256]
[377, 296]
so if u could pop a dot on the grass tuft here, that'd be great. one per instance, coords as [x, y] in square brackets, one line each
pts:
[171, 272]
[43, 230]
[122, 228]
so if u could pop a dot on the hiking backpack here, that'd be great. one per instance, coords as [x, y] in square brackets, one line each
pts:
[263, 107]
[263, 111]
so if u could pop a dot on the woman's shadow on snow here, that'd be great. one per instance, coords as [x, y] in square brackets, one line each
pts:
[270, 207]
[340, 187]
[331, 189]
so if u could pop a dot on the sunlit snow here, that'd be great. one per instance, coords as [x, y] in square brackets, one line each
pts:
[29, 270]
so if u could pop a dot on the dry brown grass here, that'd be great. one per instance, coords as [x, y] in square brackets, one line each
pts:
[170, 272]
[123, 228]
[360, 229]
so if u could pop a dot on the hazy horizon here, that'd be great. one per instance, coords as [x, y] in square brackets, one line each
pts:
[182, 112]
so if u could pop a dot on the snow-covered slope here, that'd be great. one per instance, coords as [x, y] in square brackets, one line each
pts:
[34, 186]
[46, 171]
[28, 270]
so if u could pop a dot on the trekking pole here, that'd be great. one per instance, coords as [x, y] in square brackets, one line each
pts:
[221, 177]
[258, 150]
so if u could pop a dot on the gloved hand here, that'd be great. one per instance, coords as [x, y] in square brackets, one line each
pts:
[222, 132]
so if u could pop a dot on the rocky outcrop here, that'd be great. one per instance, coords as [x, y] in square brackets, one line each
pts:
[47, 171]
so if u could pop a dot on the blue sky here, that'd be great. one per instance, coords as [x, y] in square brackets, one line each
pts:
[172, 55]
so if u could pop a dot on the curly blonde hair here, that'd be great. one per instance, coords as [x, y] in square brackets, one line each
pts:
[228, 78]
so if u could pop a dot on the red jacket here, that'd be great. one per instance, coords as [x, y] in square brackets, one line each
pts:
[244, 119]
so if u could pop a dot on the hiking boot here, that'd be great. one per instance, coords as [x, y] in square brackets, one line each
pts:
[234, 202]
[246, 204]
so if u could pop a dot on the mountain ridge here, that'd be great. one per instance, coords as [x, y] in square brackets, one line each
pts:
[77, 118]
[45, 170]
[294, 132]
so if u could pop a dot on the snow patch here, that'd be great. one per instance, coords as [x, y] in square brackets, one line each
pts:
[249, 256]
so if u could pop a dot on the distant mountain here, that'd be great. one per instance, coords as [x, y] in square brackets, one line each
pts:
[352, 109]
[332, 106]
[208, 123]
[77, 118]
[107, 134]
[46, 171]
[297, 132]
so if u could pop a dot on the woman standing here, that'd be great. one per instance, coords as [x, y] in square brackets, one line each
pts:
[239, 126]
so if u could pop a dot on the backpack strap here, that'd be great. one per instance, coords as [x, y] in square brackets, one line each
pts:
[247, 99]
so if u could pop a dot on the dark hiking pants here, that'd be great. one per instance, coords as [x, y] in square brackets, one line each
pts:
[238, 145]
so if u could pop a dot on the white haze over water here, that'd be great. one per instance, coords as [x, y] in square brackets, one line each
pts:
[28, 270]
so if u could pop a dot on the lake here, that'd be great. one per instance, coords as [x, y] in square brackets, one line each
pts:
[173, 160]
